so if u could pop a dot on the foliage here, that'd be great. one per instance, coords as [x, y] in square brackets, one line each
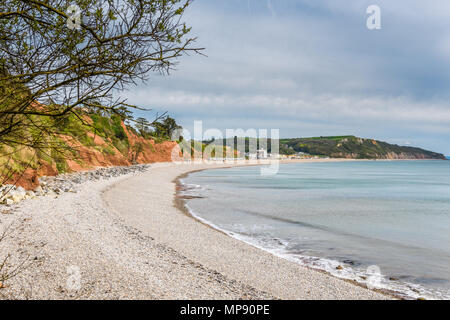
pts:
[50, 72]
[353, 147]
[143, 127]
[334, 147]
[111, 129]
[160, 129]
[166, 127]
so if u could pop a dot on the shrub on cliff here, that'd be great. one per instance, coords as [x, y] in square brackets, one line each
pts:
[58, 62]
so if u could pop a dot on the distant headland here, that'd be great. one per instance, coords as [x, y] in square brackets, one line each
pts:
[349, 147]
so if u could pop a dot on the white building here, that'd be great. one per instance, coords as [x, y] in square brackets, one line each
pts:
[260, 154]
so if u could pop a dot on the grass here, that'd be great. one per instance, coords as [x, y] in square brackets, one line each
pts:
[16, 158]
[336, 138]
[111, 129]
[68, 132]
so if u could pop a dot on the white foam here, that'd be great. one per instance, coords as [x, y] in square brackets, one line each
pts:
[279, 248]
[403, 289]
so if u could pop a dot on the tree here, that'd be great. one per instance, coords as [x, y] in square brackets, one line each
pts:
[78, 57]
[166, 128]
[143, 126]
[124, 113]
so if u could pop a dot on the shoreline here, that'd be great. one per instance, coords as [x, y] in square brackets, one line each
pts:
[401, 290]
[180, 202]
[123, 238]
[210, 232]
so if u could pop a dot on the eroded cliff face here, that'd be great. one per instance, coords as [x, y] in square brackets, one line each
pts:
[141, 151]
[391, 156]
[409, 156]
[352, 147]
[148, 151]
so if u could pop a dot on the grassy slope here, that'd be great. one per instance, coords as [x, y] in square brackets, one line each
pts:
[70, 130]
[101, 141]
[354, 147]
[342, 147]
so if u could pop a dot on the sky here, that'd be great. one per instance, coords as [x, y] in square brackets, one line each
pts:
[313, 68]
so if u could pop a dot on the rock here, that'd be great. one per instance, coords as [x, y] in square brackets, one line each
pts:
[339, 268]
[393, 279]
[30, 194]
[64, 183]
[5, 211]
[17, 197]
[39, 191]
[14, 195]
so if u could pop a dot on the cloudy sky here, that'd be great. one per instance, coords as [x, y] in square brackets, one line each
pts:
[312, 67]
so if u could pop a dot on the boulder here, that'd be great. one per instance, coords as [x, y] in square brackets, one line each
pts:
[30, 194]
[39, 191]
[17, 197]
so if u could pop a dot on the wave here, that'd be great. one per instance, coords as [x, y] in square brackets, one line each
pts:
[410, 285]
[279, 248]
[342, 269]
[335, 231]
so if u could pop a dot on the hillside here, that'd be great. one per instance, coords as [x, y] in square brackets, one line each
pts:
[355, 148]
[350, 147]
[102, 141]
[105, 141]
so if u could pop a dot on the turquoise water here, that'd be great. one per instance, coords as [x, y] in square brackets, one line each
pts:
[355, 215]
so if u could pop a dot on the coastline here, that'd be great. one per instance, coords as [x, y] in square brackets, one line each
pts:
[222, 249]
[123, 238]
[180, 202]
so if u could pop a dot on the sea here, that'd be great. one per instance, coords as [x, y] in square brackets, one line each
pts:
[385, 224]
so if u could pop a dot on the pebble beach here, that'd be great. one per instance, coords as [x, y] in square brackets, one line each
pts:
[121, 233]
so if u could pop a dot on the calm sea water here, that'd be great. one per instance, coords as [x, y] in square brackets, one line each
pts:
[370, 218]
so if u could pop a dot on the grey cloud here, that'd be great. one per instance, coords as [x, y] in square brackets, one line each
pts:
[311, 67]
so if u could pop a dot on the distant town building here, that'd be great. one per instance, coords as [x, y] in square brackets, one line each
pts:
[259, 154]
